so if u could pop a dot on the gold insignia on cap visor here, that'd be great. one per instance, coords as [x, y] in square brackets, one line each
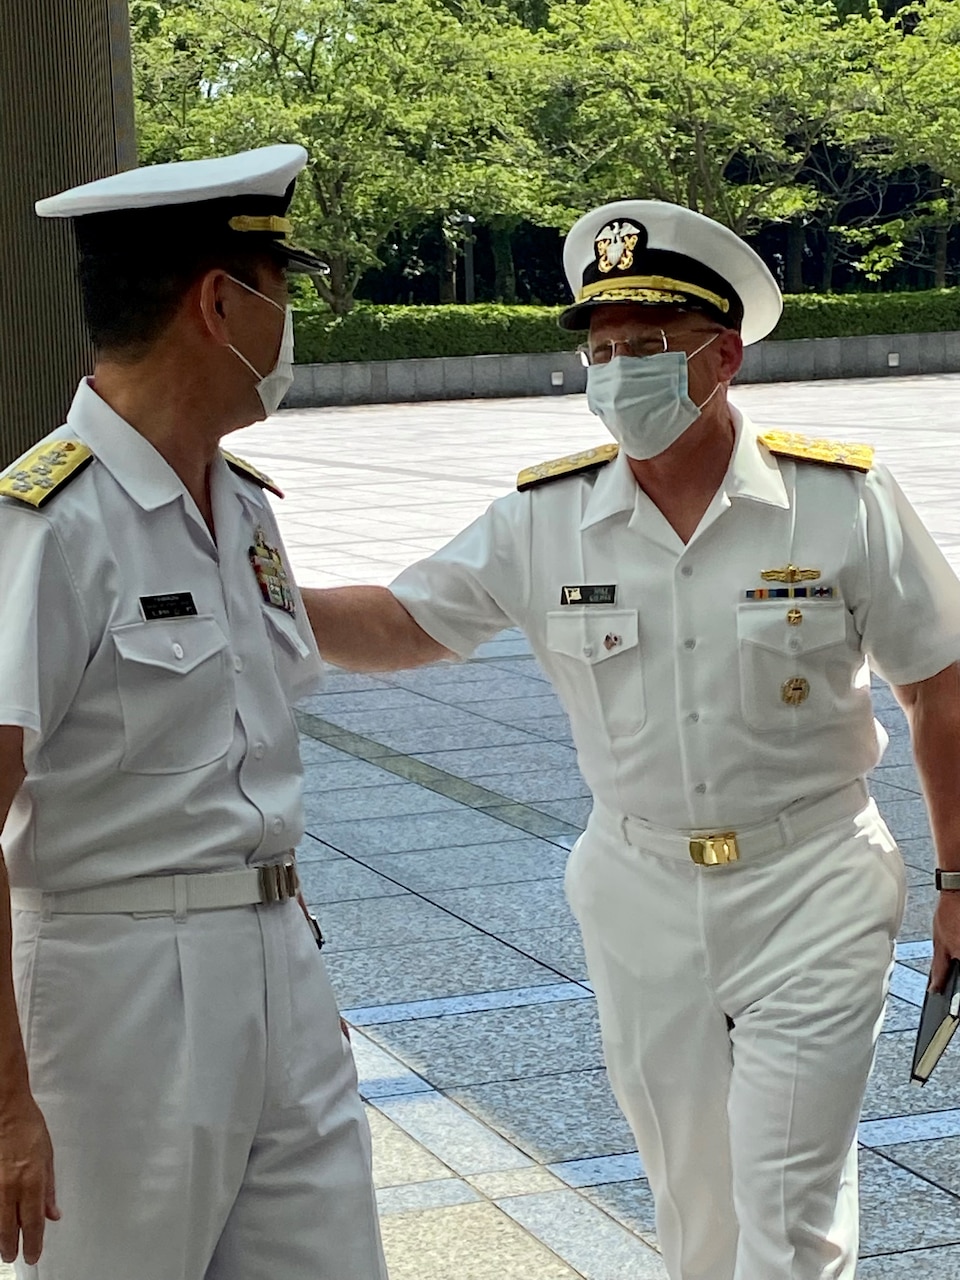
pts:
[628, 286]
[277, 226]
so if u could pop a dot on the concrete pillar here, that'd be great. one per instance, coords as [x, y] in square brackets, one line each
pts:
[66, 117]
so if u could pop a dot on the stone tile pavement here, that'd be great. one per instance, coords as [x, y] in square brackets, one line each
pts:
[441, 804]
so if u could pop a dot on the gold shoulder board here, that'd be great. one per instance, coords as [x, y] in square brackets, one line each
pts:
[571, 465]
[250, 472]
[857, 457]
[44, 471]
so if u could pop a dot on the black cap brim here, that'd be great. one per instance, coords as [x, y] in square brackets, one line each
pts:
[295, 259]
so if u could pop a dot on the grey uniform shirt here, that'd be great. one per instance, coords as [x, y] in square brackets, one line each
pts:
[677, 680]
[152, 744]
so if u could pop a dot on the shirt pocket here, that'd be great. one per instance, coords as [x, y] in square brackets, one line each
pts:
[794, 676]
[298, 668]
[176, 694]
[596, 658]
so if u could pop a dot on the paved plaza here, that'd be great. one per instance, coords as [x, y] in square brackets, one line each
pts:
[440, 808]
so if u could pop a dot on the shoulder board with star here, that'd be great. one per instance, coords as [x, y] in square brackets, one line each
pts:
[45, 471]
[573, 464]
[833, 453]
[249, 472]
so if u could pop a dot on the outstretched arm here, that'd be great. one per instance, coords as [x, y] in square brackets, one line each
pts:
[368, 629]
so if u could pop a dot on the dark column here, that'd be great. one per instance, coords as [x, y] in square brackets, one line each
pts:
[66, 117]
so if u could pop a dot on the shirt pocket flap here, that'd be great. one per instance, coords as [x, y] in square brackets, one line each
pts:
[177, 645]
[593, 637]
[283, 625]
[819, 625]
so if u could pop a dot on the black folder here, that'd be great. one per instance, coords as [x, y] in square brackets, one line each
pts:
[939, 1019]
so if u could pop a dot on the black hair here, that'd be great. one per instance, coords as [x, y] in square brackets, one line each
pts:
[129, 300]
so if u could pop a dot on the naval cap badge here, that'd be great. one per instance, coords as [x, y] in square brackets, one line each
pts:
[616, 245]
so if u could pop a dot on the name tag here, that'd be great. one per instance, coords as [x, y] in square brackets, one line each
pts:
[589, 594]
[174, 604]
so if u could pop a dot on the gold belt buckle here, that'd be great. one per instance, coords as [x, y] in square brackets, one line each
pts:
[714, 851]
[278, 881]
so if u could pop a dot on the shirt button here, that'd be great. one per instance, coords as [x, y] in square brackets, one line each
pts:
[178, 650]
[588, 651]
[794, 645]
[687, 571]
[258, 750]
[694, 717]
[689, 644]
[238, 664]
[700, 788]
[278, 825]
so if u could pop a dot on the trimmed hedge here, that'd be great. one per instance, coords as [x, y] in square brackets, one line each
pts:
[401, 332]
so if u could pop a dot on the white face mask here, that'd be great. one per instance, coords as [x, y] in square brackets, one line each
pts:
[272, 386]
[643, 401]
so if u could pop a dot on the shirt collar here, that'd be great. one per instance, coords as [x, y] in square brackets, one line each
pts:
[129, 457]
[753, 473]
[614, 491]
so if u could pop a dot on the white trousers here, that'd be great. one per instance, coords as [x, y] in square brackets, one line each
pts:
[747, 1133]
[201, 1099]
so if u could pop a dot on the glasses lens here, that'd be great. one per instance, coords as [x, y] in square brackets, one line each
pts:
[601, 354]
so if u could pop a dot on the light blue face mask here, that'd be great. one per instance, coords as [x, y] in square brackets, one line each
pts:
[643, 401]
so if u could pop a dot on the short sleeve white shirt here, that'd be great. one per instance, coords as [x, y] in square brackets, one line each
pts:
[695, 702]
[153, 744]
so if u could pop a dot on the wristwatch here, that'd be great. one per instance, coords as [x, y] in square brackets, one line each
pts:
[949, 880]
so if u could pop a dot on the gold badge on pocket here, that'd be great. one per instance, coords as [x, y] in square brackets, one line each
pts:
[795, 690]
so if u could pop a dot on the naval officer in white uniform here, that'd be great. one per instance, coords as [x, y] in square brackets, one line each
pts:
[706, 598]
[177, 1099]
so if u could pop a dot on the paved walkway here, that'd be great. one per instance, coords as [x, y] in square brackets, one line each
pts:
[441, 804]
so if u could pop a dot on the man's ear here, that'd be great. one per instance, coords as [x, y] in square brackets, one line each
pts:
[731, 354]
[213, 294]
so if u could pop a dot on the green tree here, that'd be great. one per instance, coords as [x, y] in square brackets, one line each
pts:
[406, 109]
[715, 104]
[911, 121]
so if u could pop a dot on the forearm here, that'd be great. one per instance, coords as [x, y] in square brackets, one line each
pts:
[933, 712]
[368, 629]
[14, 1080]
[13, 1061]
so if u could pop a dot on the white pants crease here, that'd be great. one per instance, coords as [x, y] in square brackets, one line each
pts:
[747, 1135]
[200, 1096]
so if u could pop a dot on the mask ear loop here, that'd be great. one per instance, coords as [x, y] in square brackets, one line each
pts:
[701, 407]
[257, 294]
[282, 310]
[241, 356]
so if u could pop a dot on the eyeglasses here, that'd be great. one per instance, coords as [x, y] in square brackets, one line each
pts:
[639, 348]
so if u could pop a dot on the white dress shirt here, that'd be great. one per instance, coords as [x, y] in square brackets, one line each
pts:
[151, 745]
[676, 690]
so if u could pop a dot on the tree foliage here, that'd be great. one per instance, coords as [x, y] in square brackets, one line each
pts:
[405, 108]
[837, 120]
